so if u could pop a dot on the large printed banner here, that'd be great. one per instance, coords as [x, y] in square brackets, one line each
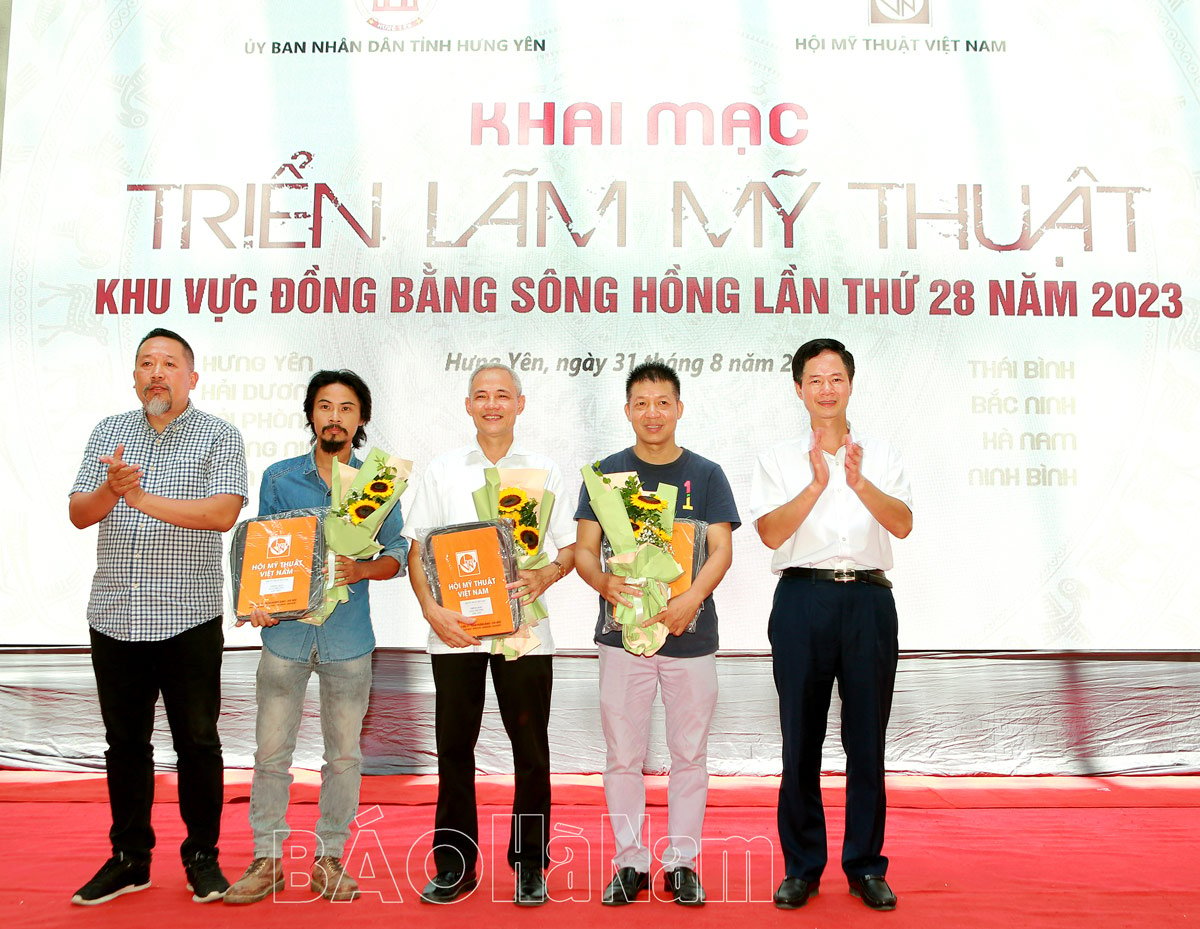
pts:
[995, 206]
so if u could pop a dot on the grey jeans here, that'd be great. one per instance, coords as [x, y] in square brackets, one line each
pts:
[345, 688]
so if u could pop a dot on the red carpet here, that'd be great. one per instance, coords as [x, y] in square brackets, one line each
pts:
[971, 852]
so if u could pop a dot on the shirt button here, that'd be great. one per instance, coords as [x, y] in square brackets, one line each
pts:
[135, 585]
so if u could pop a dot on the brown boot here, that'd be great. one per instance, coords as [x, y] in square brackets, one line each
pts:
[262, 878]
[330, 880]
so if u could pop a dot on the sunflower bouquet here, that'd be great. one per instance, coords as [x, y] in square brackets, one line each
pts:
[637, 525]
[519, 495]
[363, 498]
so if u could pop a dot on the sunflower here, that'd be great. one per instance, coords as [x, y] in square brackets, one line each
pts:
[637, 525]
[361, 509]
[648, 501]
[512, 499]
[380, 487]
[528, 538]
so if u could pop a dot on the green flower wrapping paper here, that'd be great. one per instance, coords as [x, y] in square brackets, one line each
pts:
[519, 494]
[362, 499]
[642, 557]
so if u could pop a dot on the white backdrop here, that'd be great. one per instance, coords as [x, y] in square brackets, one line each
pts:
[1047, 433]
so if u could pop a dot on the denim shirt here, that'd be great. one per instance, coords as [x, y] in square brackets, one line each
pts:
[294, 484]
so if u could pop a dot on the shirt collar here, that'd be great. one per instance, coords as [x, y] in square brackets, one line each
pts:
[475, 454]
[181, 420]
[355, 461]
[840, 454]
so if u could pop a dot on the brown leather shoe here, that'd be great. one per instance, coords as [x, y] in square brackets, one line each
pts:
[262, 878]
[331, 881]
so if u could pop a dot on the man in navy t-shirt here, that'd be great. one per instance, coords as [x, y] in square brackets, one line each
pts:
[685, 666]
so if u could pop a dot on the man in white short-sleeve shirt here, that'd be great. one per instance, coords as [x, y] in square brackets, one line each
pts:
[461, 661]
[828, 503]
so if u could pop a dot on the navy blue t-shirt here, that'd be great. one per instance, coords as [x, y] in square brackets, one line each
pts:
[704, 494]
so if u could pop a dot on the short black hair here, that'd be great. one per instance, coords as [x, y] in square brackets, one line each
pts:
[351, 380]
[815, 347]
[168, 334]
[651, 371]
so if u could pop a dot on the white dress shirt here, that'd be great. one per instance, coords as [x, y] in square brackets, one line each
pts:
[839, 526]
[443, 498]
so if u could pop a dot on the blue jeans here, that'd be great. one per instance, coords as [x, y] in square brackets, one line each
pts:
[345, 688]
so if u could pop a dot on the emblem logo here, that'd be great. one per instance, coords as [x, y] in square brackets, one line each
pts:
[395, 15]
[899, 11]
[468, 563]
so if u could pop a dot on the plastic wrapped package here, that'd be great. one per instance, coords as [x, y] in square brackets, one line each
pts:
[278, 563]
[468, 566]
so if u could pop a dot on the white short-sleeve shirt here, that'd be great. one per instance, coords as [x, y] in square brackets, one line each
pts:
[443, 498]
[839, 526]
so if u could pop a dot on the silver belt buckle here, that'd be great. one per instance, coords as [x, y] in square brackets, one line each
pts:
[843, 571]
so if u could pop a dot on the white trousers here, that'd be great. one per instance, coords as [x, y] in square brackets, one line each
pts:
[628, 684]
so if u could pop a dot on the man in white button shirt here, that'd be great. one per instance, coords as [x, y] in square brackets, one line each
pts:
[828, 504]
[461, 661]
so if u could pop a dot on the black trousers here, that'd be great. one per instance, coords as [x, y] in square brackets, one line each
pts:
[821, 632]
[186, 670]
[523, 694]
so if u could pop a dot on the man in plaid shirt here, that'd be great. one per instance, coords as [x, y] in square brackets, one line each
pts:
[163, 482]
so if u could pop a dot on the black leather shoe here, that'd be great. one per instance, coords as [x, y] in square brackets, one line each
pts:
[448, 886]
[531, 886]
[626, 884]
[874, 891]
[684, 886]
[794, 892]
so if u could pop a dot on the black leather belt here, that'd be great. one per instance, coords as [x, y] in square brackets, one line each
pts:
[876, 577]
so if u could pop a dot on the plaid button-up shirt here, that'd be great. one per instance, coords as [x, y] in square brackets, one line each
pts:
[154, 580]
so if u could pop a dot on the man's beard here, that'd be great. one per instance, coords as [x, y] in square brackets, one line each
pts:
[158, 405]
[333, 446]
